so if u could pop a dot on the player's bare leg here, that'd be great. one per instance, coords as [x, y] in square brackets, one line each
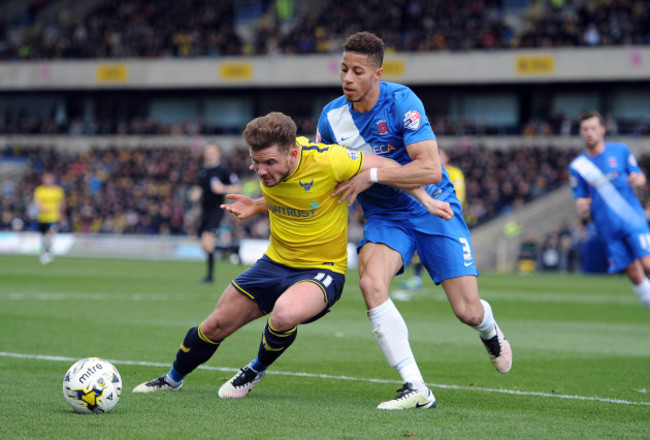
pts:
[233, 311]
[470, 309]
[298, 304]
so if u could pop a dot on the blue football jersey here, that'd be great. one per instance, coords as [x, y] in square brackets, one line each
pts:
[614, 205]
[397, 119]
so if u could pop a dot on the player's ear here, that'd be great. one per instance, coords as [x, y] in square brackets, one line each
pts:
[379, 73]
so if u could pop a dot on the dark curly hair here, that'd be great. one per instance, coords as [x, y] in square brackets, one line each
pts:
[366, 43]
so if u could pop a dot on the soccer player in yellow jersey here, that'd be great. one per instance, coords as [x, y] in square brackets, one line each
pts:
[302, 273]
[455, 175]
[50, 201]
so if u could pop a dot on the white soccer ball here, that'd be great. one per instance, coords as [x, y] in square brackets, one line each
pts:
[92, 385]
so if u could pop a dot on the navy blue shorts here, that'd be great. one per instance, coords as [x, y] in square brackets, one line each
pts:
[44, 228]
[266, 280]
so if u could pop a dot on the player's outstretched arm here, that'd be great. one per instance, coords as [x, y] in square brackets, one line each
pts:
[244, 207]
[218, 187]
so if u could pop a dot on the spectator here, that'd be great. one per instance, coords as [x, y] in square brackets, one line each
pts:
[527, 254]
[203, 28]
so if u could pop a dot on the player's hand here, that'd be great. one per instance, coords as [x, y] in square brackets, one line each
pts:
[440, 209]
[636, 179]
[351, 188]
[242, 208]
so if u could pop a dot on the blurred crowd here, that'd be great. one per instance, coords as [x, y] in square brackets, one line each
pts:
[560, 125]
[204, 28]
[562, 250]
[497, 181]
[144, 190]
[118, 190]
[136, 126]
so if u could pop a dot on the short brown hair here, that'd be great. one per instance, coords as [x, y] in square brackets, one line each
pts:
[274, 128]
[592, 114]
[366, 43]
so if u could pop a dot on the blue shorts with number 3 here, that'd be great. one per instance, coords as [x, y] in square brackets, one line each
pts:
[444, 247]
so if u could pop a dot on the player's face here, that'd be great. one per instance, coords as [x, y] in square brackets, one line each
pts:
[273, 165]
[592, 131]
[211, 155]
[48, 179]
[360, 80]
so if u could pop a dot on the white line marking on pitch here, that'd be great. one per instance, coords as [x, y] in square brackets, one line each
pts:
[328, 376]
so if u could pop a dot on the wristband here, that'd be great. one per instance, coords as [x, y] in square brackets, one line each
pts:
[373, 175]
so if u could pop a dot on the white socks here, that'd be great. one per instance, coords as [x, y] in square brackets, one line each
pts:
[391, 333]
[643, 292]
[487, 328]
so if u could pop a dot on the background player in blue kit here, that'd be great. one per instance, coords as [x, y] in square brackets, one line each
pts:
[389, 120]
[602, 178]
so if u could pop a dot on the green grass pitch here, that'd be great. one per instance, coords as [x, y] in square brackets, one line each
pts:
[581, 359]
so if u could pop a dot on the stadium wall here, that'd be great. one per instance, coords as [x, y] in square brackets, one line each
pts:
[628, 63]
[146, 247]
[496, 251]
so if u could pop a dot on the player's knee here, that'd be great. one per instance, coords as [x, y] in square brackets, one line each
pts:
[370, 286]
[468, 315]
[637, 278]
[282, 321]
[373, 290]
[636, 273]
[214, 330]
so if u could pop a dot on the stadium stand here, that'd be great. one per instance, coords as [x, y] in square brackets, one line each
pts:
[193, 29]
[203, 28]
[115, 190]
[142, 190]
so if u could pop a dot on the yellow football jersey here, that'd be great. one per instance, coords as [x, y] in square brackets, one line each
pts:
[309, 227]
[458, 180]
[49, 199]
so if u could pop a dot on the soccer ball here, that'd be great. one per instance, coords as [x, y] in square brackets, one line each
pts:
[92, 385]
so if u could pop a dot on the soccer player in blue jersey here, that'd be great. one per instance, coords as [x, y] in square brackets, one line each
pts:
[603, 178]
[302, 272]
[389, 120]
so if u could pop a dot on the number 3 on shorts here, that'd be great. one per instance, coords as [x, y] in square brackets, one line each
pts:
[467, 251]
